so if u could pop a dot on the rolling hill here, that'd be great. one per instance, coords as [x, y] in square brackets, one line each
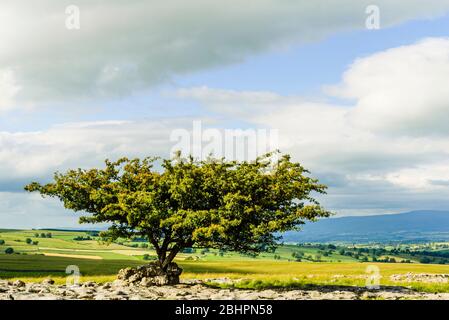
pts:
[415, 226]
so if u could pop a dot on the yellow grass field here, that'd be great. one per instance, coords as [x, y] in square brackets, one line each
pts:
[264, 274]
[100, 262]
[78, 256]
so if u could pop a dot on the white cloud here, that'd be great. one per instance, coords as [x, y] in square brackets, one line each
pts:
[129, 46]
[427, 177]
[29, 156]
[8, 90]
[20, 210]
[391, 144]
[322, 135]
[35, 156]
[402, 90]
[392, 141]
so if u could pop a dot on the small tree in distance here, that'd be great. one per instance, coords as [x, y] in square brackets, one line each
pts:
[212, 203]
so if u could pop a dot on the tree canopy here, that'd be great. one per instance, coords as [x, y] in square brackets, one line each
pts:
[211, 203]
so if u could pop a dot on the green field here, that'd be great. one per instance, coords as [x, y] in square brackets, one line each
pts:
[100, 262]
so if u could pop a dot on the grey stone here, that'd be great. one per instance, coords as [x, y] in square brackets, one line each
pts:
[34, 288]
[44, 290]
[18, 283]
[107, 285]
[48, 281]
[120, 293]
[123, 290]
[151, 274]
[89, 284]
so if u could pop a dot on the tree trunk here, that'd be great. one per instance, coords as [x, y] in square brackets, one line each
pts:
[164, 254]
[166, 262]
[161, 258]
[160, 251]
[165, 259]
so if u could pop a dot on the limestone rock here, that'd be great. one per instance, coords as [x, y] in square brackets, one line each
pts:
[89, 284]
[106, 286]
[151, 274]
[48, 281]
[124, 290]
[18, 283]
[420, 277]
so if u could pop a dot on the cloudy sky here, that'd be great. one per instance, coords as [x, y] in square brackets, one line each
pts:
[366, 110]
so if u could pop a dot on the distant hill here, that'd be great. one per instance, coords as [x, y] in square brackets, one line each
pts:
[415, 226]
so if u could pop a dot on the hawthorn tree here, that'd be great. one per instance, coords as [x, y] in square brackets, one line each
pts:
[212, 203]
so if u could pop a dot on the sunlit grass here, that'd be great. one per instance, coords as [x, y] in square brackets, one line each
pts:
[252, 273]
[260, 275]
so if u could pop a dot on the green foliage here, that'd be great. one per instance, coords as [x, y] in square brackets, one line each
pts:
[82, 238]
[28, 241]
[2, 242]
[148, 257]
[213, 203]
[297, 255]
[9, 250]
[425, 260]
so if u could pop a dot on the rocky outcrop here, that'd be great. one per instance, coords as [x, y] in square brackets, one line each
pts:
[194, 290]
[420, 277]
[151, 275]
